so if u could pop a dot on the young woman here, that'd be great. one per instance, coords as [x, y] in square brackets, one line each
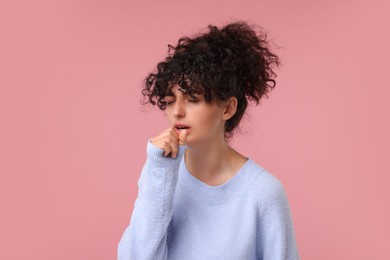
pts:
[198, 198]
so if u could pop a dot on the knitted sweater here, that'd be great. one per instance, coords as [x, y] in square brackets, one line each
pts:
[178, 217]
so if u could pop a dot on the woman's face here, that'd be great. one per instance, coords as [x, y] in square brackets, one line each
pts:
[206, 121]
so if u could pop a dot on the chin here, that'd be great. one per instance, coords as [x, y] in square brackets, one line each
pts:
[195, 142]
[189, 141]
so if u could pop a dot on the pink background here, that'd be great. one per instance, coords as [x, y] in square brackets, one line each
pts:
[73, 132]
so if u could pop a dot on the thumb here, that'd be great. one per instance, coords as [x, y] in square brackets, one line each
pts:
[183, 137]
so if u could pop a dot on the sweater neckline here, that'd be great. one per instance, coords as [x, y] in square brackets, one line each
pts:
[226, 183]
[218, 194]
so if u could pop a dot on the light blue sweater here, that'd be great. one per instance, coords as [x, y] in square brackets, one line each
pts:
[178, 217]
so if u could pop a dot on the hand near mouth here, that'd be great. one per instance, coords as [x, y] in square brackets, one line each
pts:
[170, 139]
[183, 137]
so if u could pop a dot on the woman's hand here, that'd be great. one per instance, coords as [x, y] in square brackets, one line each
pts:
[169, 140]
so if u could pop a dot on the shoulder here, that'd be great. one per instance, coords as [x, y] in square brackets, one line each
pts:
[268, 189]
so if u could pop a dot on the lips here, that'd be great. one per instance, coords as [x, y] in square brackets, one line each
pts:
[179, 127]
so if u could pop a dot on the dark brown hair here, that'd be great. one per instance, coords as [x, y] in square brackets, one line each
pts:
[232, 61]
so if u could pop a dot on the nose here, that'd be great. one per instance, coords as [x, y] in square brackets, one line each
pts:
[179, 109]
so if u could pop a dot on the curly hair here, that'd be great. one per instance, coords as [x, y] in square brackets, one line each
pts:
[233, 60]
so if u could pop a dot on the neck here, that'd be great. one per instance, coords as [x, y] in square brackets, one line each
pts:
[209, 160]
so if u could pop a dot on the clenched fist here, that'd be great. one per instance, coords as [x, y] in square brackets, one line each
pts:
[169, 140]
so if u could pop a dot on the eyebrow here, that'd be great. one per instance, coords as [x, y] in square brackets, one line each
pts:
[194, 95]
[170, 93]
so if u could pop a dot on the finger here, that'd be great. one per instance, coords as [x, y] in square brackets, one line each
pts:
[167, 148]
[174, 145]
[183, 137]
[174, 151]
[175, 134]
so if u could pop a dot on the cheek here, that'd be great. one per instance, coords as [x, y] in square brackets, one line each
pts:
[168, 114]
[208, 121]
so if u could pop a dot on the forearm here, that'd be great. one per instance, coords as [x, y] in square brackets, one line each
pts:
[145, 237]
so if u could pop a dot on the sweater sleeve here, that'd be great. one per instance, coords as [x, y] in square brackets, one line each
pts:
[146, 235]
[276, 238]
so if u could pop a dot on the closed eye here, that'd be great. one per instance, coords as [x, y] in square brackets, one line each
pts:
[192, 100]
[166, 102]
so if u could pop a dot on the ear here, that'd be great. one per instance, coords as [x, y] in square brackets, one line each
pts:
[230, 108]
